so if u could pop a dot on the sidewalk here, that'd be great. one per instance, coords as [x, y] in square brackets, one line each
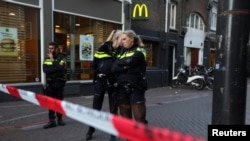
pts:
[180, 109]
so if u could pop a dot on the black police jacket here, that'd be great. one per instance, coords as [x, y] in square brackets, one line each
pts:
[103, 59]
[130, 65]
[54, 69]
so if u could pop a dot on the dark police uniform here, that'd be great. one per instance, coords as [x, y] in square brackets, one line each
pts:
[103, 79]
[55, 82]
[130, 68]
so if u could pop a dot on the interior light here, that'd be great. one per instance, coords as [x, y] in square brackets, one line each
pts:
[12, 14]
[57, 26]
[77, 24]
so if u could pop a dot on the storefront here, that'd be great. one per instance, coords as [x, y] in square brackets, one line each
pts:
[19, 36]
[27, 26]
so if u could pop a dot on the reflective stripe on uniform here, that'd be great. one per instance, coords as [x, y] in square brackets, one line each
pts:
[127, 54]
[101, 55]
[48, 62]
[131, 53]
[143, 52]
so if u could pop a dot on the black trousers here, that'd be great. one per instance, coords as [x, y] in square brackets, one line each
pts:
[55, 90]
[101, 86]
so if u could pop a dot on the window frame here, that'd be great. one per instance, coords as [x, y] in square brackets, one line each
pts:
[151, 49]
[196, 22]
[172, 22]
[213, 18]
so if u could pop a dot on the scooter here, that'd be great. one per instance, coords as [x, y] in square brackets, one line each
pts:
[209, 77]
[183, 78]
[207, 73]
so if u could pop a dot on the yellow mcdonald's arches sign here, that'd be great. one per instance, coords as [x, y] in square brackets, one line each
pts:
[140, 11]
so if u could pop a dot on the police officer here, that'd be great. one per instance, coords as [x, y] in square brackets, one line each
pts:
[130, 68]
[54, 68]
[103, 79]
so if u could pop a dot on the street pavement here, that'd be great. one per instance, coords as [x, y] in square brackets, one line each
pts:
[182, 109]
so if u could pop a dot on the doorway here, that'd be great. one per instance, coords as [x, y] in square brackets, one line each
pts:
[171, 63]
[192, 56]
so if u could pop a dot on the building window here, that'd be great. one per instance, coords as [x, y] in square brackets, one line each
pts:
[173, 16]
[192, 21]
[151, 52]
[69, 31]
[19, 57]
[196, 22]
[213, 18]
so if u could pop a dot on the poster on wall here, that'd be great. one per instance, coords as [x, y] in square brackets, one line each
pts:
[86, 48]
[8, 41]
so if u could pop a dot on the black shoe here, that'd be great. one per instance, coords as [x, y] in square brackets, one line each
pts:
[61, 123]
[90, 133]
[49, 125]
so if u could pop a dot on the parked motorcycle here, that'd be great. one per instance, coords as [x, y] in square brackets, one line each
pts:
[207, 73]
[209, 78]
[184, 77]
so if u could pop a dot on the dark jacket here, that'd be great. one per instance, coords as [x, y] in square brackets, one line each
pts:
[103, 59]
[130, 65]
[103, 65]
[53, 69]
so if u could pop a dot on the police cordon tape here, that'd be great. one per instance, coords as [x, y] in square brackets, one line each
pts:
[112, 124]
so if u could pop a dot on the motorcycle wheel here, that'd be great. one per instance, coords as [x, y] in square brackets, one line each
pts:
[210, 84]
[174, 83]
[201, 84]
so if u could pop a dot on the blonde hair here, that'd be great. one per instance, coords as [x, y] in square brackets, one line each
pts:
[115, 38]
[116, 35]
[137, 39]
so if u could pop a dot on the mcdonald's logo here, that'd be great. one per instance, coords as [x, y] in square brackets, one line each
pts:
[140, 11]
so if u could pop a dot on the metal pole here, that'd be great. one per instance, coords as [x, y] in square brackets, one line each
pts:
[123, 16]
[229, 94]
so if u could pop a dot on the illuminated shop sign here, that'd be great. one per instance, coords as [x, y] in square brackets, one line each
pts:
[140, 11]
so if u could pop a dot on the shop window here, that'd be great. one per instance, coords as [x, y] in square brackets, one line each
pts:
[151, 52]
[19, 55]
[79, 38]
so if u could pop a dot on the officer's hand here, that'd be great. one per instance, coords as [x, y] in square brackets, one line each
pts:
[50, 55]
[61, 63]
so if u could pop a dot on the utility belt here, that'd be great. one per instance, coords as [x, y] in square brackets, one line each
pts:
[137, 81]
[131, 85]
[104, 77]
[128, 86]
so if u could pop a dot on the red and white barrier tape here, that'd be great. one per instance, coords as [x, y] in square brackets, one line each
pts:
[112, 124]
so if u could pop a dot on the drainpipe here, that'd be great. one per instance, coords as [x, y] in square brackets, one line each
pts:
[123, 16]
[166, 19]
[123, 12]
[43, 48]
